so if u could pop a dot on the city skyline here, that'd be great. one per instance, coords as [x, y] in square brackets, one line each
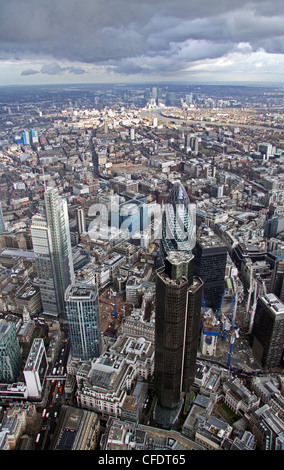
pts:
[141, 42]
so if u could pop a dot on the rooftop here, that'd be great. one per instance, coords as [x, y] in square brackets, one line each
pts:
[276, 306]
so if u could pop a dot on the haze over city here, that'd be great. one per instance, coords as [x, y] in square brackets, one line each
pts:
[132, 41]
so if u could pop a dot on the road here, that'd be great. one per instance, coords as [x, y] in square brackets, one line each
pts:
[54, 400]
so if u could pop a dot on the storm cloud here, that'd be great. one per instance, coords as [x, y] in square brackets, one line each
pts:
[137, 37]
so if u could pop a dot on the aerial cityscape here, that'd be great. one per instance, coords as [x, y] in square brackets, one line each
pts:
[141, 231]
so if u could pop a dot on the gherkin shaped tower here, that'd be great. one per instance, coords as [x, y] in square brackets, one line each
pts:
[178, 222]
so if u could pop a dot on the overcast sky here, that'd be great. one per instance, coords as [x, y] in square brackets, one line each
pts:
[194, 41]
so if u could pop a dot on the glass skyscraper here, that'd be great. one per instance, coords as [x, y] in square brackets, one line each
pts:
[178, 224]
[53, 253]
[2, 221]
[83, 316]
[267, 334]
[210, 259]
[10, 354]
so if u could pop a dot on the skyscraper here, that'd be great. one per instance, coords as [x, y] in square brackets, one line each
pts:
[268, 332]
[178, 223]
[177, 324]
[210, 258]
[277, 276]
[131, 215]
[26, 138]
[42, 251]
[53, 254]
[2, 221]
[81, 220]
[36, 368]
[83, 316]
[10, 354]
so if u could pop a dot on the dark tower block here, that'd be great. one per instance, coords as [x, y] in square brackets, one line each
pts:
[177, 323]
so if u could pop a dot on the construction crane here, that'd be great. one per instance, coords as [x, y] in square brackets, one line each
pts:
[114, 293]
[250, 288]
[253, 308]
[221, 305]
[226, 318]
[203, 304]
[234, 335]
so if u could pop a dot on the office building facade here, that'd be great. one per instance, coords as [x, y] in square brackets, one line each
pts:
[2, 221]
[177, 324]
[178, 222]
[268, 332]
[42, 251]
[81, 220]
[53, 253]
[210, 258]
[35, 369]
[131, 215]
[83, 316]
[276, 261]
[10, 354]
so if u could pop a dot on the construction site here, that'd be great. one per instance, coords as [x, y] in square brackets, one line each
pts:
[226, 332]
[113, 307]
[231, 326]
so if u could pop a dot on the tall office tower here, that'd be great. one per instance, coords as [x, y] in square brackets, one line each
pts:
[34, 136]
[26, 138]
[10, 354]
[42, 250]
[178, 222]
[131, 215]
[210, 258]
[83, 316]
[81, 220]
[36, 368]
[171, 98]
[194, 145]
[189, 98]
[187, 141]
[177, 326]
[53, 254]
[265, 149]
[217, 191]
[268, 332]
[132, 133]
[155, 94]
[277, 278]
[2, 221]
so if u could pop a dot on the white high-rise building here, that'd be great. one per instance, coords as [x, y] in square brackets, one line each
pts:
[81, 221]
[53, 252]
[35, 369]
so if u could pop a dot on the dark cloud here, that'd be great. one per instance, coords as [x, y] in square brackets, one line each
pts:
[56, 69]
[29, 72]
[137, 36]
[53, 69]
